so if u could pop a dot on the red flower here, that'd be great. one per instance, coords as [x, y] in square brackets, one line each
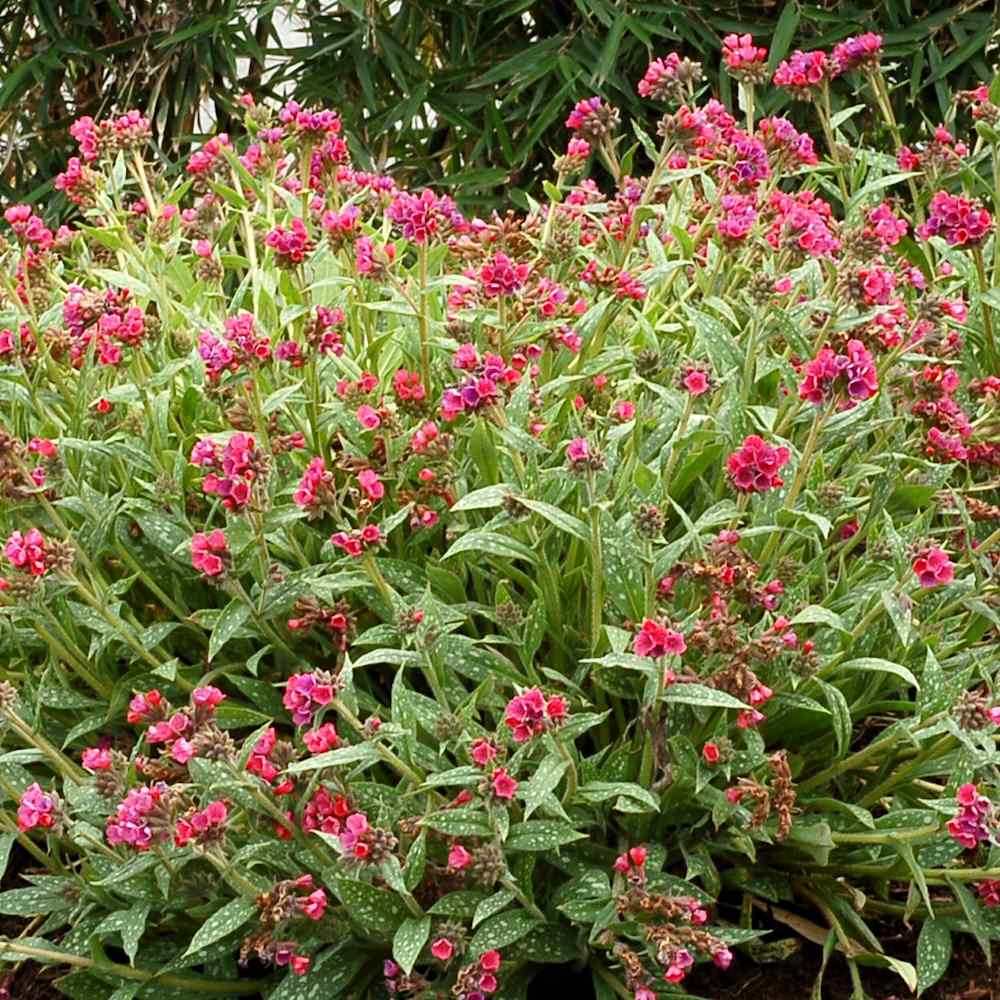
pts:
[655, 640]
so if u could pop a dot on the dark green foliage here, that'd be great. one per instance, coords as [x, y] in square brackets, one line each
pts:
[472, 94]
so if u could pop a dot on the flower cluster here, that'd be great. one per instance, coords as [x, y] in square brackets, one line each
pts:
[754, 467]
[531, 713]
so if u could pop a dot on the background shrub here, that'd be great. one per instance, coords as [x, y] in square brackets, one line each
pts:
[469, 95]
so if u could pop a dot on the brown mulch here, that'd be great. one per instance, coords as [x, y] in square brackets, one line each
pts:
[968, 978]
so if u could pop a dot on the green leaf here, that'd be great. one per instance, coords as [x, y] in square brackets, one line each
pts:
[565, 522]
[841, 712]
[492, 543]
[231, 620]
[222, 923]
[698, 694]
[130, 924]
[502, 930]
[933, 953]
[601, 791]
[541, 835]
[814, 614]
[409, 940]
[488, 496]
[459, 823]
[784, 32]
[544, 781]
[866, 663]
[377, 911]
[356, 754]
[973, 914]
[490, 905]
[416, 862]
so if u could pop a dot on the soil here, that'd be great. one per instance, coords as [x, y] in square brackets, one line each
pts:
[968, 978]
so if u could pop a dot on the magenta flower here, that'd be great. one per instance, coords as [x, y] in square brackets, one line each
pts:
[504, 786]
[210, 552]
[578, 451]
[654, 639]
[531, 713]
[961, 222]
[290, 246]
[501, 276]
[368, 417]
[933, 567]
[35, 808]
[27, 552]
[131, 823]
[829, 373]
[754, 466]
[802, 74]
[306, 694]
[972, 824]
[863, 52]
[204, 826]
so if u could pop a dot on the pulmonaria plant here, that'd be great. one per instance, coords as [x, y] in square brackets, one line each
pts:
[398, 599]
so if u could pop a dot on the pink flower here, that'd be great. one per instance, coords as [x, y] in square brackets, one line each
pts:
[322, 739]
[131, 825]
[711, 753]
[624, 410]
[182, 750]
[801, 74]
[204, 826]
[483, 751]
[305, 694]
[35, 808]
[962, 222]
[353, 838]
[489, 961]
[210, 552]
[27, 552]
[634, 857]
[829, 373]
[207, 697]
[754, 467]
[290, 246]
[504, 786]
[314, 905]
[371, 484]
[696, 382]
[741, 56]
[459, 858]
[96, 759]
[531, 713]
[933, 567]
[442, 949]
[501, 276]
[368, 418]
[578, 450]
[655, 640]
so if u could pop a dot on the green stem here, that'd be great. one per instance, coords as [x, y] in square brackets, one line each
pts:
[571, 775]
[992, 359]
[596, 567]
[425, 347]
[511, 886]
[217, 987]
